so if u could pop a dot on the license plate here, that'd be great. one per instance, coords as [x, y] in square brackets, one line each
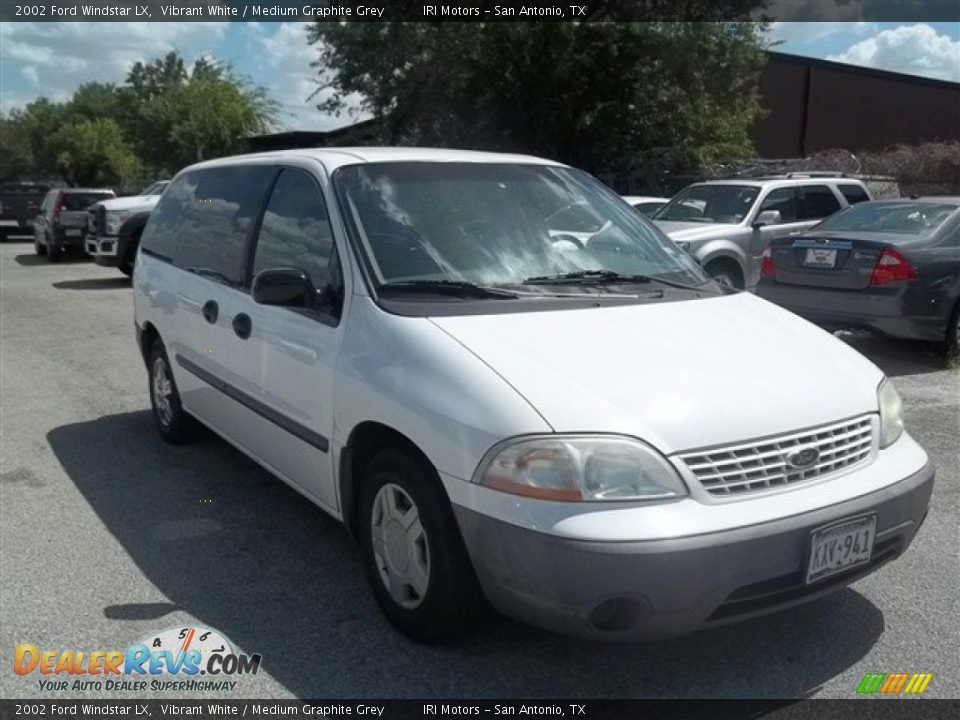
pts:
[841, 546]
[821, 257]
[73, 233]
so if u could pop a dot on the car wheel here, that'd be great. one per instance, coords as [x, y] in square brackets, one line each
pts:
[126, 263]
[173, 422]
[953, 337]
[725, 273]
[415, 559]
[38, 248]
[126, 266]
[53, 251]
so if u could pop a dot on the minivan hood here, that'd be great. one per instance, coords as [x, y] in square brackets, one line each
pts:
[679, 375]
[689, 231]
[133, 202]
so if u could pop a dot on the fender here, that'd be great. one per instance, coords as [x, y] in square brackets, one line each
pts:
[134, 224]
[723, 248]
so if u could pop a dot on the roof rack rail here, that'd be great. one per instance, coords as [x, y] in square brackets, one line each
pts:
[816, 173]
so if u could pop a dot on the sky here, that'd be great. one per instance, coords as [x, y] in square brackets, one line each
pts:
[52, 59]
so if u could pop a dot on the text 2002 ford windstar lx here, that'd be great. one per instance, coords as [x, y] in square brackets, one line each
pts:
[514, 389]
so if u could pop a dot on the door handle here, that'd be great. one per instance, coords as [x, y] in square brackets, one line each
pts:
[242, 325]
[210, 311]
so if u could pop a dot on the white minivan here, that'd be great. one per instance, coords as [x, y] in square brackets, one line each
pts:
[580, 429]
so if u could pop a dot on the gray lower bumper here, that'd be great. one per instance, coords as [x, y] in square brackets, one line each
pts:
[645, 590]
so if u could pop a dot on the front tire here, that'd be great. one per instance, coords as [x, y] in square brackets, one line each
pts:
[415, 559]
[173, 422]
[726, 273]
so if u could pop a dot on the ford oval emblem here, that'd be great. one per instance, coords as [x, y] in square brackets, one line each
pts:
[803, 458]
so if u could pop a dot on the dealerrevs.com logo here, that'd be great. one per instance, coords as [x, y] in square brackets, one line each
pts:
[170, 660]
[898, 683]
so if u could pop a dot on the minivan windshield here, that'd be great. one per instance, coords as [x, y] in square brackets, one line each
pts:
[500, 225]
[723, 204]
[907, 218]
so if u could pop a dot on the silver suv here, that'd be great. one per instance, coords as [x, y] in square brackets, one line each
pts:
[725, 224]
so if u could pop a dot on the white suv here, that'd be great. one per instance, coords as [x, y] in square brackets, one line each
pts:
[503, 409]
[726, 224]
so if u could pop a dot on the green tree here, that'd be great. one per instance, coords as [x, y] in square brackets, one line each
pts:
[94, 153]
[601, 95]
[14, 149]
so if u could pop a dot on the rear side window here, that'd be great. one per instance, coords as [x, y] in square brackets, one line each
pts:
[218, 220]
[48, 201]
[784, 201]
[853, 193]
[81, 201]
[295, 231]
[160, 234]
[815, 202]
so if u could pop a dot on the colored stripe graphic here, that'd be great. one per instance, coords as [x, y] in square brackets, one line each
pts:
[894, 683]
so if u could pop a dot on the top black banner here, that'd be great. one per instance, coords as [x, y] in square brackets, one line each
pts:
[477, 10]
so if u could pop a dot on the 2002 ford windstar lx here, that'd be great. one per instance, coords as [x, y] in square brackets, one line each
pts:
[578, 427]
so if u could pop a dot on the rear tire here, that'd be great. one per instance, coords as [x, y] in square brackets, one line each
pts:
[175, 425]
[53, 251]
[40, 250]
[417, 565]
[952, 340]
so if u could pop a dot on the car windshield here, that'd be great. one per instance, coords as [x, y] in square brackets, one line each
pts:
[723, 204]
[499, 225]
[905, 218]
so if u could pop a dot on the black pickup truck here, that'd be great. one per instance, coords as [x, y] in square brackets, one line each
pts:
[19, 205]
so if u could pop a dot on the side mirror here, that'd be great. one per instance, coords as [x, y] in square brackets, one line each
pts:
[767, 217]
[283, 286]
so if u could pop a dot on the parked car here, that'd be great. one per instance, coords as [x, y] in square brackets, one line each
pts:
[63, 217]
[114, 227]
[726, 224]
[646, 204]
[499, 414]
[891, 266]
[19, 203]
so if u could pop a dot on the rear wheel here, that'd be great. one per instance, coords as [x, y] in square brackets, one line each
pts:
[953, 336]
[39, 248]
[725, 272]
[173, 422]
[415, 559]
[53, 250]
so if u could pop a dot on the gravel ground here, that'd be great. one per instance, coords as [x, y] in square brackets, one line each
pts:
[107, 534]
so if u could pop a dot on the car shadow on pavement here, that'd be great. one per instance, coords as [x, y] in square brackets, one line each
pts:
[227, 543]
[94, 284]
[33, 260]
[897, 357]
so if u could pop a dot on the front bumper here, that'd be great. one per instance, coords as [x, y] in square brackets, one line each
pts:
[105, 249]
[889, 311]
[662, 588]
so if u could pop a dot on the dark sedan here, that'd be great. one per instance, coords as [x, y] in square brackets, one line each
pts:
[890, 266]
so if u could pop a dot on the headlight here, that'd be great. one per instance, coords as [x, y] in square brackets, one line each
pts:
[577, 468]
[891, 413]
[116, 218]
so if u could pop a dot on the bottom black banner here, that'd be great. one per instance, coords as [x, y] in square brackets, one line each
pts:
[427, 709]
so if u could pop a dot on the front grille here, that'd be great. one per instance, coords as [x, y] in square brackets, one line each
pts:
[92, 221]
[763, 465]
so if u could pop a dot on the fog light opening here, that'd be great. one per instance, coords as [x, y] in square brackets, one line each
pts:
[617, 614]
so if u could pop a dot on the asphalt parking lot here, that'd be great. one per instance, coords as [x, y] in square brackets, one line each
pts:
[108, 534]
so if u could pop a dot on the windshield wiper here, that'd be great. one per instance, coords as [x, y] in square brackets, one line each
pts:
[446, 287]
[603, 277]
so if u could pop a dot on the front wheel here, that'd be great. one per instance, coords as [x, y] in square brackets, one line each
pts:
[725, 273]
[173, 422]
[415, 559]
